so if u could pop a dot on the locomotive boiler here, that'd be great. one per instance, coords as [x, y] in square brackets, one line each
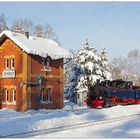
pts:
[111, 93]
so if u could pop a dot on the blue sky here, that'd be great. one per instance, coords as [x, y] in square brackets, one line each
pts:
[113, 25]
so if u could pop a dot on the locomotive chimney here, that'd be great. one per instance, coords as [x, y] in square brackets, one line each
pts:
[27, 34]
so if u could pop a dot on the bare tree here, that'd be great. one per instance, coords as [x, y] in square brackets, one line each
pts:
[3, 23]
[127, 68]
[134, 53]
[115, 68]
[40, 30]
[22, 26]
[45, 31]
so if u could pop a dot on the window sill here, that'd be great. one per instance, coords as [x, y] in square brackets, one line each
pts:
[46, 102]
[9, 103]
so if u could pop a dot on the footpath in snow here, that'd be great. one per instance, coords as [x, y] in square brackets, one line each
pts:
[12, 122]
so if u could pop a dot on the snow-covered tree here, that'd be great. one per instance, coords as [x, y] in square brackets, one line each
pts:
[68, 65]
[70, 90]
[45, 31]
[40, 30]
[127, 68]
[106, 73]
[87, 59]
[88, 68]
[22, 26]
[3, 23]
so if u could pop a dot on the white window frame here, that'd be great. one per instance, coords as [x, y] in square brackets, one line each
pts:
[48, 97]
[42, 95]
[13, 93]
[48, 62]
[9, 97]
[43, 63]
[12, 63]
[6, 63]
[6, 95]
[49, 94]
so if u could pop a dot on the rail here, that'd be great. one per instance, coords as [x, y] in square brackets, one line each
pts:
[68, 127]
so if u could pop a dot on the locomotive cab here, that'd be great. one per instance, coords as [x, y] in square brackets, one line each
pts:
[110, 93]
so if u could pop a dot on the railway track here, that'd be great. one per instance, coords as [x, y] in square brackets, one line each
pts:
[69, 127]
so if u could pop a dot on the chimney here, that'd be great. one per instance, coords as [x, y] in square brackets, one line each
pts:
[27, 34]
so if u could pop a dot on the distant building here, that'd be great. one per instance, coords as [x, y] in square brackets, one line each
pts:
[80, 98]
[31, 72]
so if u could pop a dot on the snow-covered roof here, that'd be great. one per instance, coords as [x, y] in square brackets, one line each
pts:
[38, 46]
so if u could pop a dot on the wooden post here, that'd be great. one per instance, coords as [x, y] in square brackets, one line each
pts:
[26, 78]
[61, 84]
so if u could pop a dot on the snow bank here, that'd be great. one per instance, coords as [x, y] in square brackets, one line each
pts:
[71, 114]
[6, 112]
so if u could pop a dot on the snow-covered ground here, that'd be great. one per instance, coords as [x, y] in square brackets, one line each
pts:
[12, 122]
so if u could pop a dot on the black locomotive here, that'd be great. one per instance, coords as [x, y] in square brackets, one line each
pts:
[110, 93]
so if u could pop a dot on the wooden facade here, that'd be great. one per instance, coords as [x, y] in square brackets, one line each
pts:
[16, 67]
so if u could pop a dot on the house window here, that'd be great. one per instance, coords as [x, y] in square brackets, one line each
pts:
[49, 94]
[78, 96]
[6, 95]
[43, 63]
[13, 95]
[3, 95]
[48, 63]
[12, 63]
[46, 97]
[6, 63]
[43, 97]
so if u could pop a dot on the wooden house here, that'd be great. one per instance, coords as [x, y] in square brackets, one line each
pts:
[31, 72]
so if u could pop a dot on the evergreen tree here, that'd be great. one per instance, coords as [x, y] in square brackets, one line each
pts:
[68, 65]
[106, 74]
[88, 68]
[70, 91]
[87, 59]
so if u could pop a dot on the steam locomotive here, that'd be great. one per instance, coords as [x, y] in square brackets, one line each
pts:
[111, 93]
